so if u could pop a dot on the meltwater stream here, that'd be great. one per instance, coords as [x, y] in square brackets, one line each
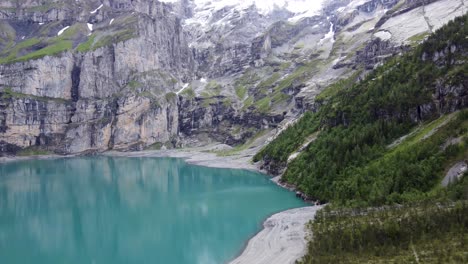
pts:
[130, 210]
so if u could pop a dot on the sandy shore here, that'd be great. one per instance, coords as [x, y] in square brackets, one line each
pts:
[282, 240]
[197, 156]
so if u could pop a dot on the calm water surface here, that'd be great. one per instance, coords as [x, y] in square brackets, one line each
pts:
[130, 210]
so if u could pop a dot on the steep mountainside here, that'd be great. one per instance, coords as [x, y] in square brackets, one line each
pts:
[364, 146]
[389, 154]
[92, 75]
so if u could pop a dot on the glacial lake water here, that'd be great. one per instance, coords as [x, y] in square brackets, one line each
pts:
[131, 210]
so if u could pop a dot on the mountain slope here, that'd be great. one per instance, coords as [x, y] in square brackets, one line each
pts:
[382, 151]
[351, 161]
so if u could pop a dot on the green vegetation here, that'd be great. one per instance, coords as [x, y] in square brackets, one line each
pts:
[268, 91]
[385, 142]
[241, 91]
[227, 102]
[397, 7]
[155, 146]
[299, 75]
[235, 150]
[188, 93]
[416, 39]
[116, 37]
[420, 233]
[350, 163]
[299, 46]
[406, 173]
[212, 89]
[41, 45]
[33, 151]
[208, 100]
[242, 84]
[86, 46]
[263, 105]
[9, 54]
[248, 103]
[285, 66]
[133, 84]
[53, 49]
[249, 78]
[170, 97]
[35, 48]
[430, 231]
[8, 93]
[274, 89]
[334, 88]
[263, 86]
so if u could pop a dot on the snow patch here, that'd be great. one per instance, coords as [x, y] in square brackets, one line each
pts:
[183, 88]
[95, 10]
[62, 30]
[203, 80]
[383, 35]
[110, 23]
[41, 23]
[303, 9]
[90, 26]
[356, 3]
[335, 61]
[330, 35]
[205, 8]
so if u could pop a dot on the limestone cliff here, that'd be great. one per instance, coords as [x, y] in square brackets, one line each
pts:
[91, 75]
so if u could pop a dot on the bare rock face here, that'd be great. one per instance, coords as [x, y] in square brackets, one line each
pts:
[93, 75]
[49, 77]
[34, 122]
[377, 51]
[109, 97]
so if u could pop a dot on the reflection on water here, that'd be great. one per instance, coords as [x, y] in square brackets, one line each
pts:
[130, 210]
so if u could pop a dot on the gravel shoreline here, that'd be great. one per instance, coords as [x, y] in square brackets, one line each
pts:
[282, 239]
[195, 157]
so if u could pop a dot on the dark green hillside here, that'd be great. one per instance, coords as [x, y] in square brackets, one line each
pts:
[423, 233]
[353, 161]
[387, 142]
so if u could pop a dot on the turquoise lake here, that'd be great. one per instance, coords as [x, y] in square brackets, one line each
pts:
[131, 210]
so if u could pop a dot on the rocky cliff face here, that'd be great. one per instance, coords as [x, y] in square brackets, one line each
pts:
[96, 98]
[92, 75]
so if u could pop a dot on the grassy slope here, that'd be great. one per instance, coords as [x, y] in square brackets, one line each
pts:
[76, 38]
